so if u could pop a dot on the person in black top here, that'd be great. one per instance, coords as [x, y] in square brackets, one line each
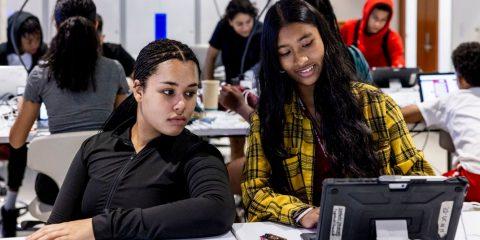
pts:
[145, 176]
[28, 36]
[115, 51]
[230, 37]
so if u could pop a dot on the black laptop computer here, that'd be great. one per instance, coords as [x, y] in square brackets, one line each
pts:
[428, 207]
[383, 75]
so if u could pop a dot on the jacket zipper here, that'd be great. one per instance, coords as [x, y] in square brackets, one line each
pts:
[117, 181]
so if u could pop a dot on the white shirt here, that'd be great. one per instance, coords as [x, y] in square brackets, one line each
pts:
[459, 115]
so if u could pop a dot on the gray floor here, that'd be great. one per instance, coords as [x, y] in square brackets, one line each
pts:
[433, 153]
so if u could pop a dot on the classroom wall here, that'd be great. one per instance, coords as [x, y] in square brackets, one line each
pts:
[458, 21]
[3, 20]
[445, 35]
[466, 23]
[140, 22]
[353, 9]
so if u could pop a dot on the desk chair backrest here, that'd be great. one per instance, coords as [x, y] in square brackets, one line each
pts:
[445, 141]
[53, 154]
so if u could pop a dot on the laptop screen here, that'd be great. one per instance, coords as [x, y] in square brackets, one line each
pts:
[435, 85]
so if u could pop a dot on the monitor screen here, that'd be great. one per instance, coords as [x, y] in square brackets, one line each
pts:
[428, 207]
[12, 77]
[435, 85]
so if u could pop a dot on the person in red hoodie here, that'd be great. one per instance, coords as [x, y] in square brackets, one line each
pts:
[381, 46]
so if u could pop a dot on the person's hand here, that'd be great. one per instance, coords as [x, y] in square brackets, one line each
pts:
[80, 229]
[231, 97]
[310, 219]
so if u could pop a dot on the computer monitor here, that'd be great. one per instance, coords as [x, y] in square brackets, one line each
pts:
[11, 79]
[427, 207]
[435, 85]
[383, 75]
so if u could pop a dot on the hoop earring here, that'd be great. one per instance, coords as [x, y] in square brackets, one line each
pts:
[282, 71]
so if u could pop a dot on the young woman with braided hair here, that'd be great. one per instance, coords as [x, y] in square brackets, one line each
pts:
[145, 176]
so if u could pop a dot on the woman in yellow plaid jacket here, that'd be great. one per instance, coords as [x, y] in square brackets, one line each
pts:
[315, 121]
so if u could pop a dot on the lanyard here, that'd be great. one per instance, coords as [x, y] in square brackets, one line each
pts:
[316, 128]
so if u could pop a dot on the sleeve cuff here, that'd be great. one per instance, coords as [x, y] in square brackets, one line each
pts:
[297, 220]
[101, 229]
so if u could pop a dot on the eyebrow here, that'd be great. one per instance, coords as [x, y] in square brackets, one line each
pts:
[176, 84]
[306, 35]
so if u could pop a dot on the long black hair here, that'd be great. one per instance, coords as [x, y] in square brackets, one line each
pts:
[347, 139]
[325, 8]
[146, 64]
[73, 53]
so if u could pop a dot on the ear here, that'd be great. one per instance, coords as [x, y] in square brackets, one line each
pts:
[462, 83]
[230, 22]
[96, 25]
[137, 90]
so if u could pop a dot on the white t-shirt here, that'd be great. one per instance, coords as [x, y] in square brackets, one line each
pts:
[459, 115]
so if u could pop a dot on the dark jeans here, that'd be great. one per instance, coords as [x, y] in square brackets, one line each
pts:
[45, 188]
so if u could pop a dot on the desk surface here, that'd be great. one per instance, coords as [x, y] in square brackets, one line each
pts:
[469, 224]
[226, 236]
[404, 96]
[215, 123]
[253, 231]
[219, 123]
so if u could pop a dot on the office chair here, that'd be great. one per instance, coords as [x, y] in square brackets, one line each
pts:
[446, 142]
[52, 156]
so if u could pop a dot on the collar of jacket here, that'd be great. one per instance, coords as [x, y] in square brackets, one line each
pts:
[123, 134]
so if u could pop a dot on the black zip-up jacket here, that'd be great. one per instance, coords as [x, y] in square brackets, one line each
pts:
[175, 187]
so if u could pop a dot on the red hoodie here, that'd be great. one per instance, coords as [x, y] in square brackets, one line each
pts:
[371, 44]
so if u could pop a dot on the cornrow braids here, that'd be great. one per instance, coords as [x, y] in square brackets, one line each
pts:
[146, 64]
[160, 51]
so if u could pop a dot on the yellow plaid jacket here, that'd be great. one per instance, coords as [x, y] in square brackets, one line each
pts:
[392, 143]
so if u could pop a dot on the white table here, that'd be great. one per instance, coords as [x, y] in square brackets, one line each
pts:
[4, 132]
[219, 123]
[470, 224]
[226, 236]
[404, 96]
[251, 231]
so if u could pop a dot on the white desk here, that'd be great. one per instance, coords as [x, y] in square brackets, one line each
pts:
[470, 224]
[251, 231]
[226, 236]
[219, 123]
[404, 96]
[4, 132]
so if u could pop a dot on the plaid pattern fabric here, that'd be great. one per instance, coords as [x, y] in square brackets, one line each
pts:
[392, 141]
